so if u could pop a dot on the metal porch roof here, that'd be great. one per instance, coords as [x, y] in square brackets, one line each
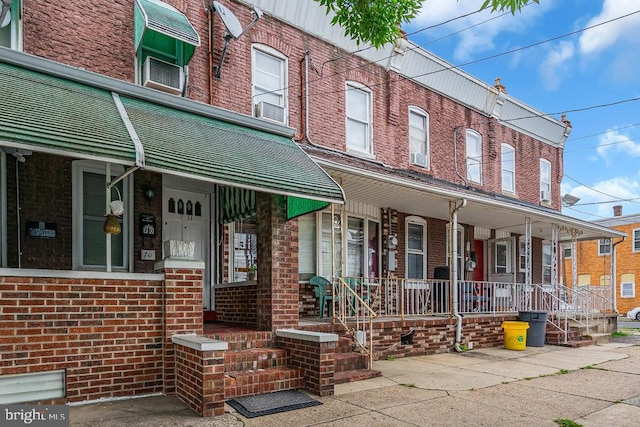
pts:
[429, 200]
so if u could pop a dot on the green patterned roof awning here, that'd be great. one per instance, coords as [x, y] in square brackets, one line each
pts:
[207, 149]
[160, 27]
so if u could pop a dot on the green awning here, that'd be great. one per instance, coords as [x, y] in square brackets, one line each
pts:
[204, 148]
[297, 206]
[57, 115]
[236, 204]
[49, 113]
[161, 28]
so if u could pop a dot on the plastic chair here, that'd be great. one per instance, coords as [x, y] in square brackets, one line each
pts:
[321, 287]
[353, 283]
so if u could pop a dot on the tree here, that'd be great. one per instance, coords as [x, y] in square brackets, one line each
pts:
[378, 21]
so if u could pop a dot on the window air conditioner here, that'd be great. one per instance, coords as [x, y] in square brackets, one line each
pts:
[266, 110]
[163, 76]
[419, 159]
[544, 196]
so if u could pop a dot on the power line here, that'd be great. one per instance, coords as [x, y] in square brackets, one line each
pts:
[617, 199]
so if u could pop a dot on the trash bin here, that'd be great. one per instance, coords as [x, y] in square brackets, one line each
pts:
[537, 326]
[515, 335]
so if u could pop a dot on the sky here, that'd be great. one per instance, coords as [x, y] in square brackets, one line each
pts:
[568, 68]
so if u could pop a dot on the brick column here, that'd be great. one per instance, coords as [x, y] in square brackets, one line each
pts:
[277, 278]
[181, 308]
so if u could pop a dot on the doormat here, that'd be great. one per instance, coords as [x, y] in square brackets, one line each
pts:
[272, 403]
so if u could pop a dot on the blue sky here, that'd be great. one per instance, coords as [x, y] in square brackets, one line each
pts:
[589, 68]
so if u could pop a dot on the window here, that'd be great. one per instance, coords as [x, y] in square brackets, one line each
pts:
[269, 83]
[474, 156]
[90, 206]
[307, 246]
[636, 240]
[244, 236]
[545, 180]
[628, 286]
[416, 228]
[522, 254]
[326, 250]
[10, 16]
[508, 168]
[604, 246]
[419, 137]
[567, 250]
[503, 256]
[358, 108]
[546, 263]
[459, 249]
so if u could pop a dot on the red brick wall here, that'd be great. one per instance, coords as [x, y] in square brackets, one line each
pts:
[236, 304]
[200, 380]
[317, 360]
[106, 334]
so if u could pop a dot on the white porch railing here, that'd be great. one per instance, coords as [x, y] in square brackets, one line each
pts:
[391, 297]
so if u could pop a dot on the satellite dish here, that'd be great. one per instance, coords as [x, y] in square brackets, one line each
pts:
[229, 19]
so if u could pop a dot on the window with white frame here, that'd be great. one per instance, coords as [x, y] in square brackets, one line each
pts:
[474, 156]
[636, 240]
[628, 285]
[508, 168]
[546, 263]
[604, 246]
[307, 246]
[90, 205]
[269, 76]
[244, 235]
[330, 253]
[459, 249]
[358, 117]
[419, 137]
[567, 250]
[503, 256]
[545, 180]
[522, 254]
[416, 232]
[10, 25]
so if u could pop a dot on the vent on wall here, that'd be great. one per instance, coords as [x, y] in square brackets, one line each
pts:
[544, 196]
[266, 110]
[419, 159]
[32, 387]
[162, 76]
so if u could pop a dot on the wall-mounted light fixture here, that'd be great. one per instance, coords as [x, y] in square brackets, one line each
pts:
[149, 192]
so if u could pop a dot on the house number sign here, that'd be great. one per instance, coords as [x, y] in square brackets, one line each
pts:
[147, 225]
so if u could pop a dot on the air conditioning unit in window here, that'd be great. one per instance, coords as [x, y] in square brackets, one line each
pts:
[162, 76]
[419, 159]
[545, 196]
[266, 110]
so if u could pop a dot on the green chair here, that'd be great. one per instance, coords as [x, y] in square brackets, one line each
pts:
[353, 283]
[321, 287]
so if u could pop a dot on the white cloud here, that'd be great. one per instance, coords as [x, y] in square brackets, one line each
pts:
[598, 200]
[613, 142]
[475, 39]
[555, 66]
[622, 31]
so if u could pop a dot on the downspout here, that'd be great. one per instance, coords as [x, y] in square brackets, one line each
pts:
[614, 272]
[455, 154]
[453, 259]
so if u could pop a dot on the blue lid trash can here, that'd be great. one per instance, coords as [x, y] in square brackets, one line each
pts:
[537, 332]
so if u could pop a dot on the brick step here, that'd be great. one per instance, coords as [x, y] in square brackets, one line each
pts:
[557, 337]
[254, 359]
[249, 383]
[244, 340]
[344, 345]
[350, 361]
[355, 375]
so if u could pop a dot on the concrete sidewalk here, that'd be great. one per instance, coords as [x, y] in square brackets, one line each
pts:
[594, 386]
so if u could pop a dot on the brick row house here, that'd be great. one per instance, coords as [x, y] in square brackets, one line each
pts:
[176, 175]
[598, 261]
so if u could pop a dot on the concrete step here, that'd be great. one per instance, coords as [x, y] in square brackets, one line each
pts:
[254, 359]
[252, 382]
[356, 375]
[600, 337]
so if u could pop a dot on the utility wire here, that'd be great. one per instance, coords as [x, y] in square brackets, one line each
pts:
[617, 199]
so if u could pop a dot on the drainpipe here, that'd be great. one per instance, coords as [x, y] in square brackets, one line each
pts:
[455, 155]
[614, 280]
[453, 259]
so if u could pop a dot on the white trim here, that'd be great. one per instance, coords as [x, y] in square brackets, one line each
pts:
[281, 91]
[544, 185]
[78, 168]
[508, 255]
[634, 239]
[78, 274]
[351, 86]
[426, 129]
[472, 136]
[633, 290]
[504, 146]
[423, 223]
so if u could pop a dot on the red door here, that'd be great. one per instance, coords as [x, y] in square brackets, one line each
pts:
[478, 272]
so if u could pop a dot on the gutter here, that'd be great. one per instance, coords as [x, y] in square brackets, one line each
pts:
[453, 265]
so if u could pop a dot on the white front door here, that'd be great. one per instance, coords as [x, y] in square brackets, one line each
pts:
[186, 217]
